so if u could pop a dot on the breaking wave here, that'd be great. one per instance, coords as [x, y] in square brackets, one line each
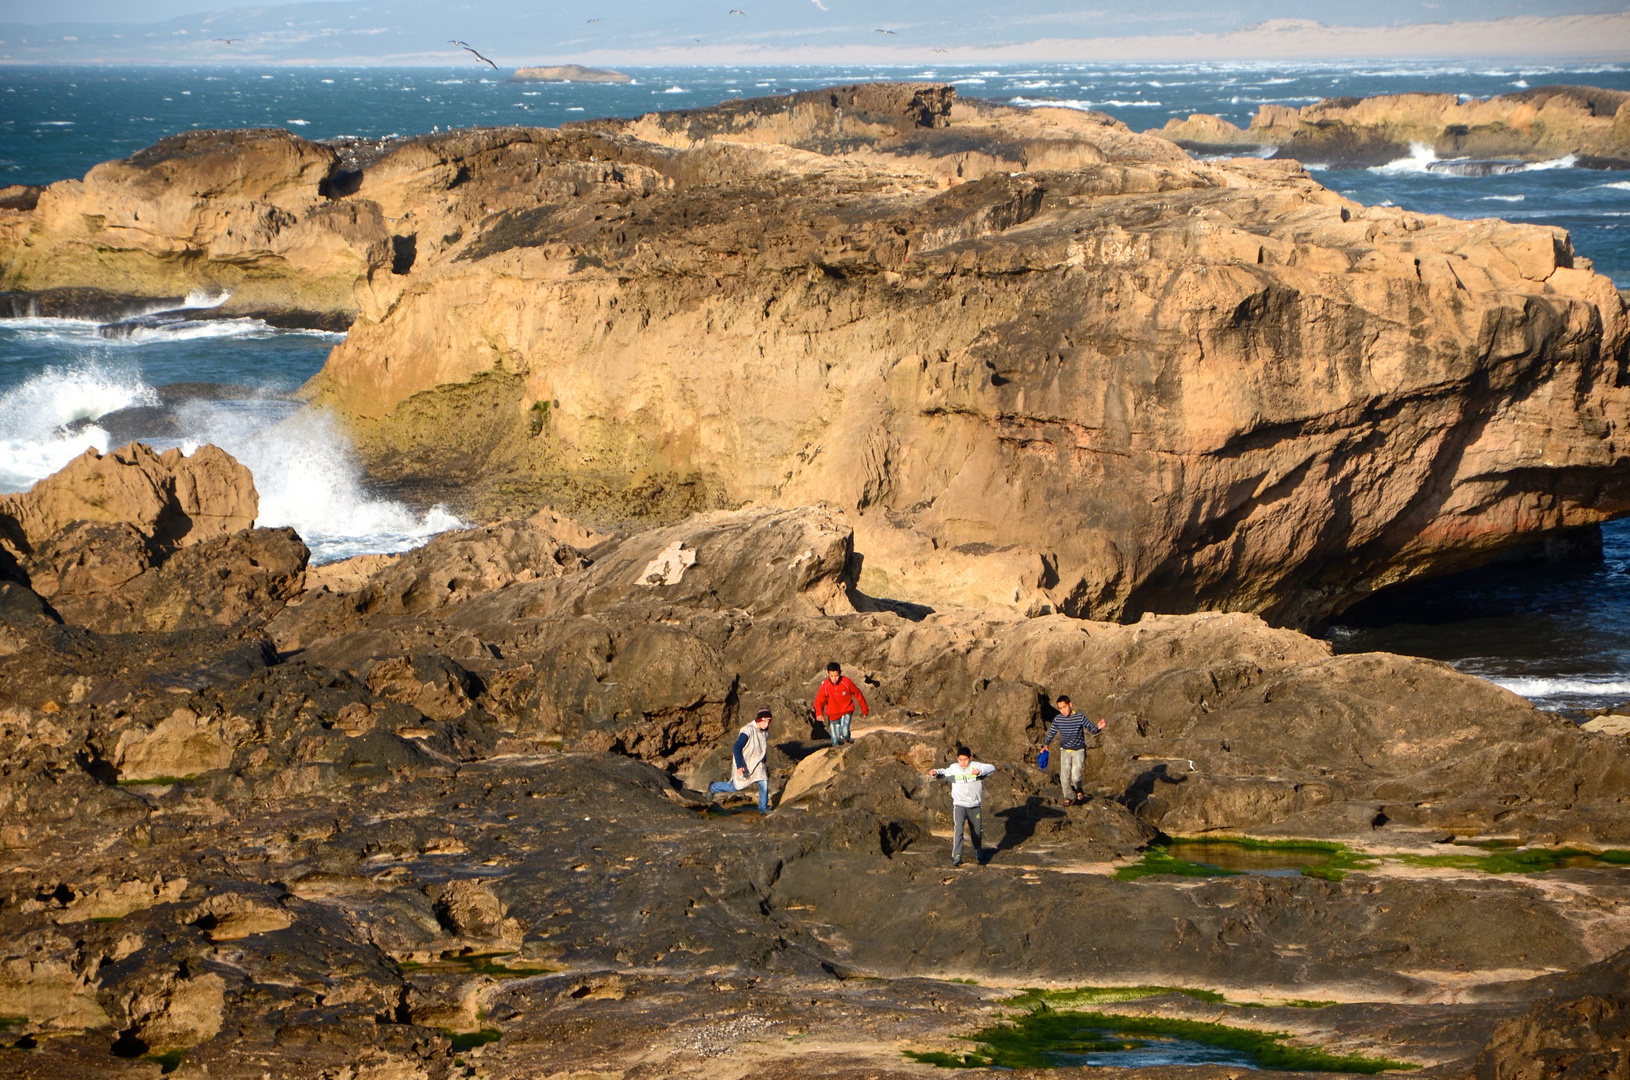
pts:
[1424, 159]
[34, 418]
[1563, 691]
[306, 472]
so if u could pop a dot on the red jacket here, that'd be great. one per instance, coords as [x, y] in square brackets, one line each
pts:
[839, 698]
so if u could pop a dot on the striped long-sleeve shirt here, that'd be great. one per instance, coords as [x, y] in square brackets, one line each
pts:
[1075, 732]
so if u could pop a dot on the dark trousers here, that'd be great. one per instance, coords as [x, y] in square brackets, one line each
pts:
[975, 822]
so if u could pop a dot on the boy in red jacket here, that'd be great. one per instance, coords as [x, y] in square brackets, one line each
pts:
[836, 700]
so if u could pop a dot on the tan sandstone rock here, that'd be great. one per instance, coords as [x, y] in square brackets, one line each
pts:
[1037, 360]
[170, 499]
[1544, 123]
[242, 212]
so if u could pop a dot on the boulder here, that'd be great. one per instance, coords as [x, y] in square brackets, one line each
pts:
[170, 500]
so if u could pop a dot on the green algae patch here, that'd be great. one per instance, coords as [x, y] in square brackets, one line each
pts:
[1157, 859]
[1503, 859]
[157, 781]
[469, 1040]
[1044, 1038]
[1232, 856]
[168, 1061]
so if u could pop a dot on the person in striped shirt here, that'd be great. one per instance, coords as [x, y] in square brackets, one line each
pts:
[1075, 734]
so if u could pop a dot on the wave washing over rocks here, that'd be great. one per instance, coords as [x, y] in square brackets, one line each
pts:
[954, 393]
[313, 480]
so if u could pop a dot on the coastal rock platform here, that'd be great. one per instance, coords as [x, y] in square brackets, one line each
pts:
[441, 814]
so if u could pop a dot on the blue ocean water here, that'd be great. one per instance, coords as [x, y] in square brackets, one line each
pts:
[1561, 636]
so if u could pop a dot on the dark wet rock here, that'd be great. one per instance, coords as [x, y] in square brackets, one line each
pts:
[460, 790]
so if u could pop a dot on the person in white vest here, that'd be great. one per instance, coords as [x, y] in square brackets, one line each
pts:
[967, 778]
[751, 749]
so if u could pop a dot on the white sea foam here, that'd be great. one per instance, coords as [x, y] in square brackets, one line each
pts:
[1504, 198]
[33, 417]
[1540, 688]
[304, 468]
[1420, 156]
[199, 299]
[1555, 163]
[675, 90]
[309, 478]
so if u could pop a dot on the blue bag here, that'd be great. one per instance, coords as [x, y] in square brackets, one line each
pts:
[1042, 759]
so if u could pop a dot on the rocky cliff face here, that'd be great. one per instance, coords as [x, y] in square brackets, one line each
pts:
[450, 798]
[1040, 361]
[1118, 381]
[1542, 124]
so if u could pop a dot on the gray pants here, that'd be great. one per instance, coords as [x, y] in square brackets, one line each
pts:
[969, 814]
[1070, 763]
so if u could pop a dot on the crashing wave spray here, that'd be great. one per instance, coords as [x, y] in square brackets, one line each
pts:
[35, 434]
[309, 479]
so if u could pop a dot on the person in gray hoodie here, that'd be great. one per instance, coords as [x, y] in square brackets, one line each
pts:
[751, 748]
[967, 778]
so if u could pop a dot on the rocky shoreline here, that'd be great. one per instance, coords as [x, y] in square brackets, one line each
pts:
[1149, 383]
[264, 817]
[956, 394]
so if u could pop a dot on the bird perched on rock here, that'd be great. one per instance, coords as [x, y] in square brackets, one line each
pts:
[471, 50]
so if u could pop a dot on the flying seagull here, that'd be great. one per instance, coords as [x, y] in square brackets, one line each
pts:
[880, 30]
[937, 50]
[594, 20]
[227, 40]
[470, 49]
[738, 11]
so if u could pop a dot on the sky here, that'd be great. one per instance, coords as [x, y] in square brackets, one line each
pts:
[528, 31]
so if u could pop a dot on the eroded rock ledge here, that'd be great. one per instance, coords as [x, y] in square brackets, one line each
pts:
[1040, 361]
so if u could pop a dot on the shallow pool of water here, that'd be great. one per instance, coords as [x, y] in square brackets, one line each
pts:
[1285, 862]
[1144, 1050]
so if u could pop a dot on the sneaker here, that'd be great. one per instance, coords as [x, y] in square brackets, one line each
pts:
[955, 863]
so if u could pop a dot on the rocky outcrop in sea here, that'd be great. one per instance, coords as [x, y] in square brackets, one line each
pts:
[1039, 360]
[1474, 136]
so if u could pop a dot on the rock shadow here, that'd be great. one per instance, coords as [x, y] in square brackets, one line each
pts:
[1019, 822]
[1142, 790]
